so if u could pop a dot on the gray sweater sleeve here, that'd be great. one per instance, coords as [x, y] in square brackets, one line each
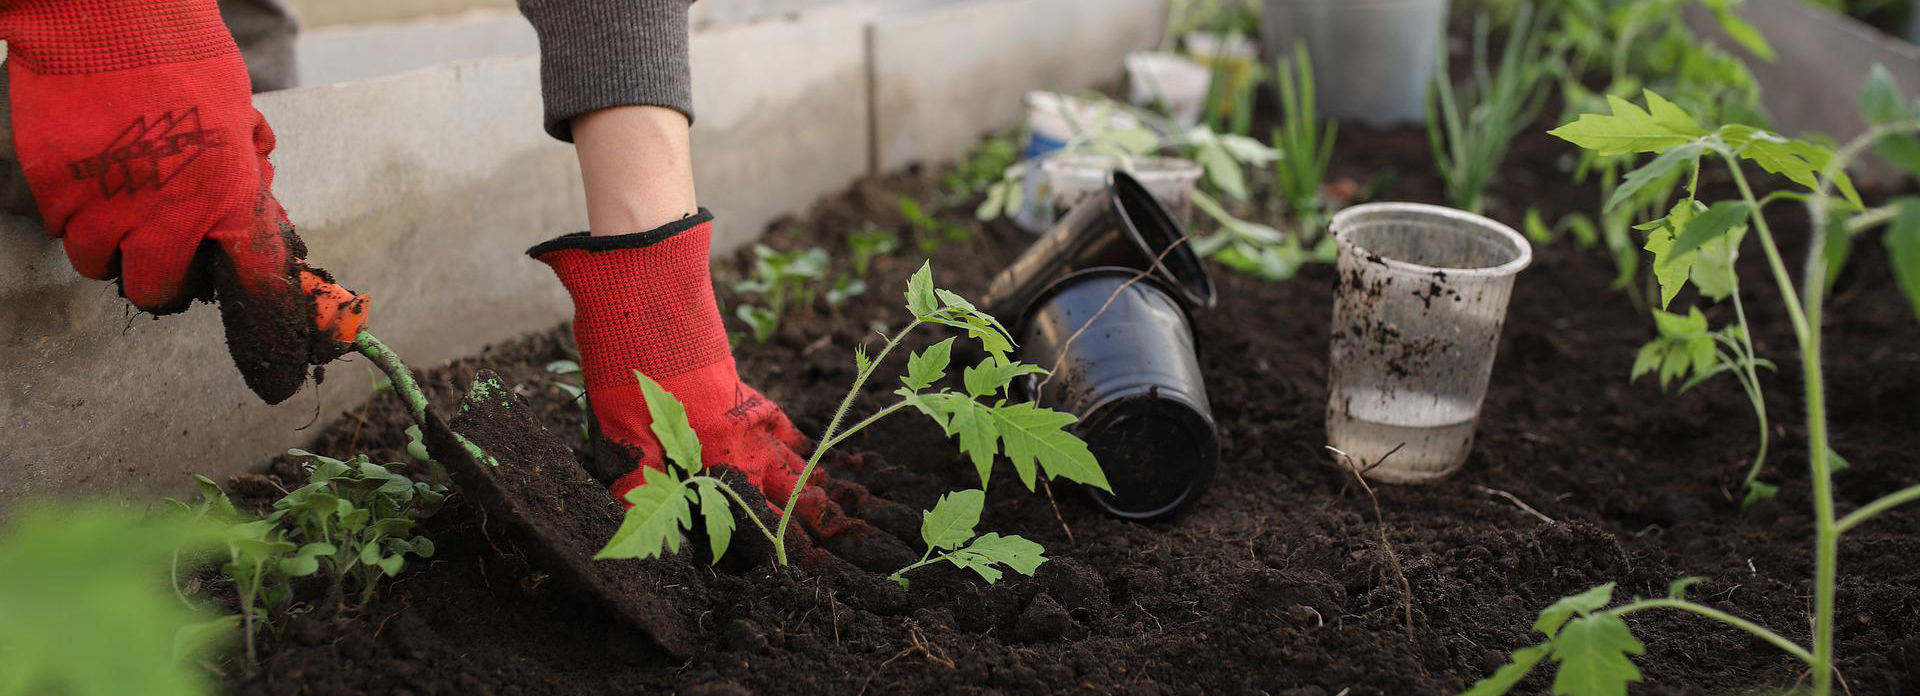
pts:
[596, 54]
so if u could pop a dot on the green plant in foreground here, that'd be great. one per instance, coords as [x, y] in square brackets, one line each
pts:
[784, 279]
[84, 606]
[949, 527]
[1034, 439]
[1591, 643]
[1471, 128]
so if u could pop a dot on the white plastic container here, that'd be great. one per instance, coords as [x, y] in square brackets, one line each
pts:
[1053, 119]
[1168, 81]
[1234, 55]
[1372, 59]
[1072, 178]
[1421, 296]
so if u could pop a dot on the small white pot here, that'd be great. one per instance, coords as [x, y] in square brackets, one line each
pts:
[1075, 177]
[1169, 80]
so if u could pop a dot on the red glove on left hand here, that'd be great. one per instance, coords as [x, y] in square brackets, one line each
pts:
[135, 129]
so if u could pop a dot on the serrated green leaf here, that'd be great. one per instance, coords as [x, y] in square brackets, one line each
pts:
[1557, 613]
[994, 374]
[1903, 249]
[1709, 225]
[1669, 269]
[1630, 129]
[660, 510]
[717, 514]
[951, 521]
[991, 550]
[1032, 434]
[860, 360]
[1678, 588]
[670, 424]
[1667, 164]
[1509, 674]
[920, 297]
[1713, 265]
[1648, 358]
[1593, 654]
[928, 366]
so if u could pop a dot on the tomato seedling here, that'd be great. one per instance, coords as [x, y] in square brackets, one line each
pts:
[949, 527]
[784, 280]
[984, 424]
[1590, 643]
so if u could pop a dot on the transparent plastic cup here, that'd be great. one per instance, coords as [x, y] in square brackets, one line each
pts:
[1417, 310]
[1171, 81]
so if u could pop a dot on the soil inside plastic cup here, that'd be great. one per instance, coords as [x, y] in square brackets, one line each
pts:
[1421, 297]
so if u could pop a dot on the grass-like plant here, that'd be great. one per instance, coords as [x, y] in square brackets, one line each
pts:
[1472, 126]
[1590, 641]
[981, 419]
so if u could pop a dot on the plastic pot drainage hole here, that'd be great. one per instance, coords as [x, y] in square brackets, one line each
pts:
[1421, 297]
[1129, 373]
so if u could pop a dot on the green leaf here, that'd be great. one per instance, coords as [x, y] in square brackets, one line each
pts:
[1903, 249]
[660, 510]
[951, 521]
[1669, 269]
[1593, 654]
[1836, 462]
[670, 424]
[1661, 167]
[1903, 150]
[1661, 127]
[920, 298]
[1032, 434]
[1757, 491]
[995, 202]
[718, 516]
[1713, 265]
[994, 374]
[1678, 588]
[1648, 359]
[1741, 32]
[1223, 172]
[928, 366]
[1502, 680]
[1536, 227]
[1557, 613]
[991, 550]
[762, 321]
[1709, 225]
[306, 561]
[961, 417]
[1880, 98]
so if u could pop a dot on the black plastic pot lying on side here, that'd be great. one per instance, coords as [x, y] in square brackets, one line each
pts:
[1132, 379]
[1125, 228]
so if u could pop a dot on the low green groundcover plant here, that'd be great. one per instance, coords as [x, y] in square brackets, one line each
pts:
[981, 418]
[1589, 642]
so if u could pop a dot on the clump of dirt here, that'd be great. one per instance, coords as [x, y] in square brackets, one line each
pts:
[1277, 581]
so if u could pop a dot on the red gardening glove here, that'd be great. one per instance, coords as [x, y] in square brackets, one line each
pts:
[135, 129]
[645, 302]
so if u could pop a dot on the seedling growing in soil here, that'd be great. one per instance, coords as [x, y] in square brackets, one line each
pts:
[356, 519]
[784, 279]
[929, 230]
[1471, 127]
[1591, 643]
[868, 244]
[985, 425]
[565, 368]
[949, 527]
[1305, 143]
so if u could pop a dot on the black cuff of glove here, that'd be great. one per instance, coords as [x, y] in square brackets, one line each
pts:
[633, 240]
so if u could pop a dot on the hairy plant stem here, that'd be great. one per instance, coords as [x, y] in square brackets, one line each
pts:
[737, 500]
[1883, 504]
[365, 343]
[1757, 630]
[827, 438]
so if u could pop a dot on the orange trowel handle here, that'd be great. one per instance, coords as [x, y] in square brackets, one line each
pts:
[337, 311]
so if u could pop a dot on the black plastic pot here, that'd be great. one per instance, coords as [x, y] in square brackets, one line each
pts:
[1132, 379]
[1125, 228]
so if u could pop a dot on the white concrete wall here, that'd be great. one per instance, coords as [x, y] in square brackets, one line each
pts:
[947, 75]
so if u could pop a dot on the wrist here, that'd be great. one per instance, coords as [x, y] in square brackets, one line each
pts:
[636, 166]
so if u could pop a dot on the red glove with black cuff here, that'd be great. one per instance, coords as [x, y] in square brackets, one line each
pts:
[645, 302]
[135, 128]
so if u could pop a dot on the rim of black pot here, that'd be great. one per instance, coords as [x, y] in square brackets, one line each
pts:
[1190, 420]
[1151, 279]
[1151, 226]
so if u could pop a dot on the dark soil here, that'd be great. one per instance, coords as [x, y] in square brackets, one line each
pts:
[1278, 580]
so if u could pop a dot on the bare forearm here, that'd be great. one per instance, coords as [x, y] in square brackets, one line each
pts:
[635, 163]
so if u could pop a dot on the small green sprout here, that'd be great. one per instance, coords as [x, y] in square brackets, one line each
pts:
[784, 280]
[949, 527]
